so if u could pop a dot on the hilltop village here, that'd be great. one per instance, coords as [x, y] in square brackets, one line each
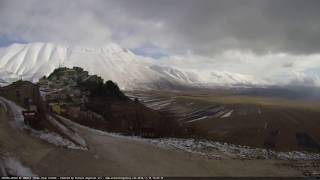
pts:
[88, 100]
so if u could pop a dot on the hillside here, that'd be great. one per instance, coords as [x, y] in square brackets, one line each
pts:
[91, 101]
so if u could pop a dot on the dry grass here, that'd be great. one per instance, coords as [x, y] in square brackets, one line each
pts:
[254, 100]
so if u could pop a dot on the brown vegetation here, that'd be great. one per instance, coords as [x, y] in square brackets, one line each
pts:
[133, 118]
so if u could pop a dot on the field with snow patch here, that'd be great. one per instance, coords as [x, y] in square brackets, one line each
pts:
[260, 122]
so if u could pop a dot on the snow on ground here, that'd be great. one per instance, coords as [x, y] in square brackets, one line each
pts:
[43, 94]
[157, 104]
[234, 151]
[50, 137]
[56, 139]
[74, 136]
[227, 114]
[12, 166]
[220, 113]
[17, 113]
[195, 111]
[210, 149]
[197, 119]
[3, 105]
[3, 171]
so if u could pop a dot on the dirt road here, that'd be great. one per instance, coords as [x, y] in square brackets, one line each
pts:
[116, 156]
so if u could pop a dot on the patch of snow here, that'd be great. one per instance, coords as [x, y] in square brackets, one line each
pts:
[17, 113]
[227, 114]
[3, 171]
[197, 119]
[158, 104]
[43, 95]
[74, 136]
[56, 139]
[50, 137]
[220, 113]
[233, 151]
[209, 148]
[201, 110]
[164, 104]
[150, 99]
[3, 105]
[14, 167]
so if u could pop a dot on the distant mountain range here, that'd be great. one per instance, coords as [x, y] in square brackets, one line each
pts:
[111, 62]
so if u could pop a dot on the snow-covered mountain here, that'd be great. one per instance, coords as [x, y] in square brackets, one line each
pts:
[130, 71]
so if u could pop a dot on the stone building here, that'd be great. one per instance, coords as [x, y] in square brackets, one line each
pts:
[23, 93]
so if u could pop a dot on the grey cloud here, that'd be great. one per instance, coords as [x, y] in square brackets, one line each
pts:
[288, 64]
[202, 26]
[52, 21]
[206, 26]
[306, 81]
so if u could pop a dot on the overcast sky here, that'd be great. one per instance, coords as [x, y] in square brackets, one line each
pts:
[272, 39]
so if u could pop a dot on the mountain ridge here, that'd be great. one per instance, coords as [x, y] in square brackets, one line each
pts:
[111, 62]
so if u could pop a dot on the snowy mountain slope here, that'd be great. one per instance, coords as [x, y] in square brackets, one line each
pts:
[32, 61]
[3, 82]
[226, 78]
